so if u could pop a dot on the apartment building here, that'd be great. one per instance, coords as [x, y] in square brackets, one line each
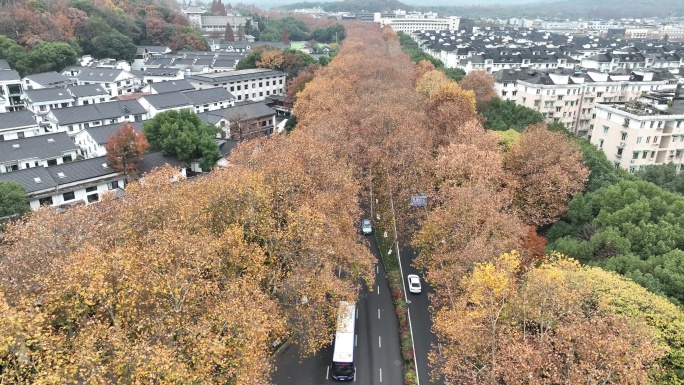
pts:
[570, 97]
[408, 23]
[251, 84]
[635, 135]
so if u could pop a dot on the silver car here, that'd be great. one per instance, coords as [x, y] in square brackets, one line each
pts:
[366, 227]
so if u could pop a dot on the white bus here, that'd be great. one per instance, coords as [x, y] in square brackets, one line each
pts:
[342, 367]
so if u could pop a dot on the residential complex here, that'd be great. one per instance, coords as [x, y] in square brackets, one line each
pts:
[54, 126]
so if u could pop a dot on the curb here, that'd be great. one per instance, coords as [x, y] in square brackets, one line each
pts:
[282, 348]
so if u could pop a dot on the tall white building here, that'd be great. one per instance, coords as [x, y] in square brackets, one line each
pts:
[409, 23]
[635, 135]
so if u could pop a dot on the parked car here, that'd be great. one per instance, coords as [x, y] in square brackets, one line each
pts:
[366, 227]
[414, 283]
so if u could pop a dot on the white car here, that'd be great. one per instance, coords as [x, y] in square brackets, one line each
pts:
[366, 227]
[414, 283]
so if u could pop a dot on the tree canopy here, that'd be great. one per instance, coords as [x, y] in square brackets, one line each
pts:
[184, 135]
[126, 148]
[13, 199]
[502, 115]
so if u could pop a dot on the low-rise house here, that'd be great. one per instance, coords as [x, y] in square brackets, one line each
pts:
[81, 182]
[50, 79]
[247, 119]
[74, 119]
[19, 124]
[115, 81]
[156, 75]
[10, 91]
[91, 141]
[36, 151]
[197, 100]
[40, 101]
[169, 86]
[89, 94]
[251, 84]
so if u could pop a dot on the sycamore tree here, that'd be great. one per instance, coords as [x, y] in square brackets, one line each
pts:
[184, 135]
[126, 148]
[557, 323]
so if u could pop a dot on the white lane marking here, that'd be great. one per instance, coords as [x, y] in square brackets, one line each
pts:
[339, 272]
[327, 372]
[378, 289]
[356, 339]
[377, 269]
[378, 313]
[380, 374]
[357, 313]
[354, 374]
[379, 341]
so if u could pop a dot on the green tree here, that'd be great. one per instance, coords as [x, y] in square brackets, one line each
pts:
[99, 39]
[11, 51]
[13, 199]
[185, 135]
[250, 60]
[663, 175]
[47, 56]
[503, 115]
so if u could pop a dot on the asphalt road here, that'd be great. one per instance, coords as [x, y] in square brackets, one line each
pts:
[421, 321]
[377, 354]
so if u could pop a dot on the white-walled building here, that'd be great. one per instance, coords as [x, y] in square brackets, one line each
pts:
[409, 23]
[74, 119]
[10, 91]
[634, 136]
[91, 141]
[19, 124]
[36, 151]
[251, 84]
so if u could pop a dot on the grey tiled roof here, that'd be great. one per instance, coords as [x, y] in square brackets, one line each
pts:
[168, 100]
[7, 74]
[164, 71]
[27, 178]
[48, 95]
[80, 170]
[155, 159]
[17, 119]
[223, 77]
[49, 79]
[99, 111]
[40, 147]
[101, 134]
[172, 85]
[4, 65]
[88, 90]
[250, 110]
[99, 74]
[209, 95]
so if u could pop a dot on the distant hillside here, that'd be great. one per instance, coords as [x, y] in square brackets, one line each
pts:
[102, 28]
[605, 9]
[352, 5]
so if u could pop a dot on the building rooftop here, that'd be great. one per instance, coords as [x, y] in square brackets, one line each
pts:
[36, 147]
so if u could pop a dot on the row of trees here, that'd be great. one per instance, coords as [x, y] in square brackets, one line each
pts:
[500, 316]
[153, 287]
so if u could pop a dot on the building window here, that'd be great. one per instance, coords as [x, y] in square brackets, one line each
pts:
[619, 151]
[47, 201]
[644, 155]
[605, 129]
[635, 155]
[601, 143]
[623, 136]
[93, 198]
[69, 196]
[52, 162]
[609, 115]
[91, 189]
[655, 139]
[113, 185]
[66, 158]
[648, 139]
[639, 139]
